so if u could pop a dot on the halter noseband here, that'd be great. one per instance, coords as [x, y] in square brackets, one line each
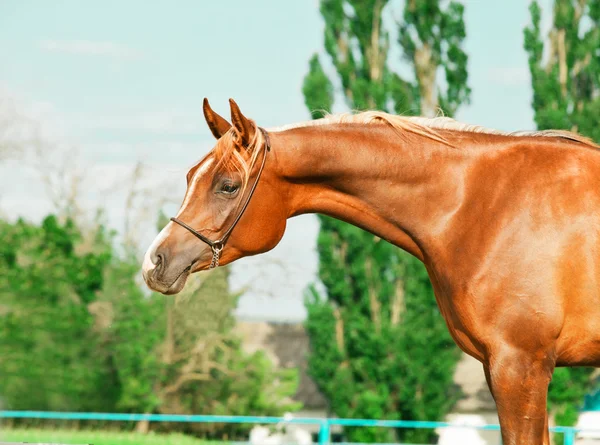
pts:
[217, 245]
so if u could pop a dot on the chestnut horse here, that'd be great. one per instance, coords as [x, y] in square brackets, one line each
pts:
[507, 225]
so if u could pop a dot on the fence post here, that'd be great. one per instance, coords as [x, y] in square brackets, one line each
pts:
[324, 432]
[569, 436]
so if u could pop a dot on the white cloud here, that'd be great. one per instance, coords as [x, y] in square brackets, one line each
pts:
[88, 47]
[509, 76]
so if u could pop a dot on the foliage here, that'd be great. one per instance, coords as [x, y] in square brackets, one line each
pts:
[567, 393]
[431, 38]
[318, 104]
[50, 357]
[566, 95]
[77, 333]
[566, 84]
[379, 346]
[130, 324]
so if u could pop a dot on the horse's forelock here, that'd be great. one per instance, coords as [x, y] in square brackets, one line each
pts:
[231, 156]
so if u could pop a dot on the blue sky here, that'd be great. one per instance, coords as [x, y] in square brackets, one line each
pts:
[124, 81]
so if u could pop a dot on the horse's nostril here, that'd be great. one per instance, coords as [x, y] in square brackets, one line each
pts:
[160, 260]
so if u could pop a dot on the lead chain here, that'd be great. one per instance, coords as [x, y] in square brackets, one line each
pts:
[216, 255]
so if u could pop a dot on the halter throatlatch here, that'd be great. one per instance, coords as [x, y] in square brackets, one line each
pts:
[218, 245]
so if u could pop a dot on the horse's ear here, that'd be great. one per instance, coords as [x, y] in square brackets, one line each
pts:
[245, 127]
[218, 125]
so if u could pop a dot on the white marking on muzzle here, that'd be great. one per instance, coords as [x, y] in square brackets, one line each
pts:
[148, 264]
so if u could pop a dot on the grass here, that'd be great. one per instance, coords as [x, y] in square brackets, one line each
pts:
[96, 437]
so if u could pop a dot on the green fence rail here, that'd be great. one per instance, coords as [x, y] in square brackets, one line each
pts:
[324, 424]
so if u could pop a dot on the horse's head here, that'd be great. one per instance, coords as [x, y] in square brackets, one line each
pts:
[232, 208]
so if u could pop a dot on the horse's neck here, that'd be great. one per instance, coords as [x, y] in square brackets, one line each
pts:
[403, 189]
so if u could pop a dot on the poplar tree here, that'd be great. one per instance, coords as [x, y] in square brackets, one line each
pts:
[379, 346]
[565, 75]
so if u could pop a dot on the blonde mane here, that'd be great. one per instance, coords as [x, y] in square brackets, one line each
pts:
[427, 127]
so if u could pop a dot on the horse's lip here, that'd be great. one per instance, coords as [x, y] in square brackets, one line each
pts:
[184, 274]
[174, 287]
[184, 271]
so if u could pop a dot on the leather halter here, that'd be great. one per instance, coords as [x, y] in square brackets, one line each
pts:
[217, 245]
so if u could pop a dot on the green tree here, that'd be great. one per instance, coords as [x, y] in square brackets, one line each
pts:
[565, 74]
[77, 333]
[379, 346]
[566, 83]
[130, 325]
[49, 353]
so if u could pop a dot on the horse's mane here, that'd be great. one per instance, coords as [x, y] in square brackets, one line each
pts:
[427, 127]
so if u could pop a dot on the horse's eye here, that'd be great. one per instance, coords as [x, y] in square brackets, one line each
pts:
[229, 188]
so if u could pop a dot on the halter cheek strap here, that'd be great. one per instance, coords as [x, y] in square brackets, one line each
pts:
[217, 245]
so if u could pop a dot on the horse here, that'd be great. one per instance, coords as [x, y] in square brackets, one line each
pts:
[506, 224]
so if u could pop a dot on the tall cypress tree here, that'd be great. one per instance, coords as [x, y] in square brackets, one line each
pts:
[379, 346]
[566, 95]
